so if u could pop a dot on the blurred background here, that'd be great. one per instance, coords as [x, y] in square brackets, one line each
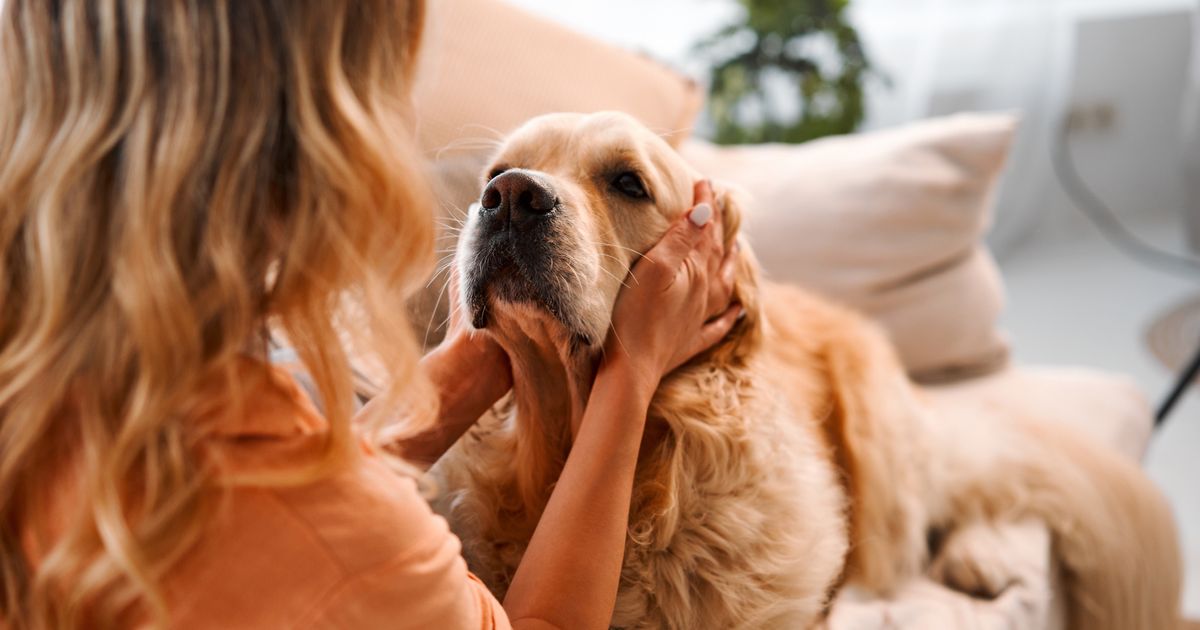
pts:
[1114, 85]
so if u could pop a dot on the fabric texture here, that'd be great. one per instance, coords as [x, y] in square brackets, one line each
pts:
[487, 67]
[1030, 601]
[888, 222]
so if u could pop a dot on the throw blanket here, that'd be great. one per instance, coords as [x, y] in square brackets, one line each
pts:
[1031, 601]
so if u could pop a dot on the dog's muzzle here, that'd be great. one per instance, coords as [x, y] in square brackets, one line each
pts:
[513, 243]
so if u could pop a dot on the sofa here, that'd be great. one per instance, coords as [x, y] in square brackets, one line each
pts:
[889, 222]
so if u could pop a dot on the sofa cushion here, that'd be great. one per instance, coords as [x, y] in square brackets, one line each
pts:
[889, 223]
[1108, 407]
[487, 67]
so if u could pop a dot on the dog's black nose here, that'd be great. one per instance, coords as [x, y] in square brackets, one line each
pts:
[517, 196]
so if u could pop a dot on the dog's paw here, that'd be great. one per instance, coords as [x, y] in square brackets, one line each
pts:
[984, 559]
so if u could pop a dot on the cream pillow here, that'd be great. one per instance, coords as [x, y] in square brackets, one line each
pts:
[887, 222]
[487, 67]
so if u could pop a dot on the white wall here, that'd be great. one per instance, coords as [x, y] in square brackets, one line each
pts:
[1043, 58]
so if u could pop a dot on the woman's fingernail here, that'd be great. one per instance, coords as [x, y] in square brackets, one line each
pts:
[701, 214]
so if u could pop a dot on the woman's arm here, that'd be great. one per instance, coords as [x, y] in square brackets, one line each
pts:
[569, 575]
[470, 373]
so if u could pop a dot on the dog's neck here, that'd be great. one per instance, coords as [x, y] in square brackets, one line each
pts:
[552, 377]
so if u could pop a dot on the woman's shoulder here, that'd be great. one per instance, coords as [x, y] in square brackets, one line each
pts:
[357, 548]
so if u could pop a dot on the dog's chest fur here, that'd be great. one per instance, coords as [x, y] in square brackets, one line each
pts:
[738, 518]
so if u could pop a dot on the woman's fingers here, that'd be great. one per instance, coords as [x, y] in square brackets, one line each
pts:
[690, 239]
[712, 267]
[670, 252]
[721, 283]
[707, 207]
[715, 330]
[702, 192]
[704, 210]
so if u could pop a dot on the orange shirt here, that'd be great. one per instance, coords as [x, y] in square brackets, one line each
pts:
[359, 549]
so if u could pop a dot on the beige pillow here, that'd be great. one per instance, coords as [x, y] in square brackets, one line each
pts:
[890, 223]
[488, 66]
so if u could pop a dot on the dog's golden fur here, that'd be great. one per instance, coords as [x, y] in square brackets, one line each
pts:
[793, 458]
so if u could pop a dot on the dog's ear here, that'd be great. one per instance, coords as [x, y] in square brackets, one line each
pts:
[731, 201]
[747, 333]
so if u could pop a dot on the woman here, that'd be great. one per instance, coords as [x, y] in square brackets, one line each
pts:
[175, 179]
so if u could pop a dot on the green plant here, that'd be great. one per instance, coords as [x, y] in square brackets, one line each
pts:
[781, 50]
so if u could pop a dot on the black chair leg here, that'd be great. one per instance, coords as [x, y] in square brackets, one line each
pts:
[1185, 380]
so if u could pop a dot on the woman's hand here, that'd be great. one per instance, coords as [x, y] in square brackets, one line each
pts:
[473, 357]
[677, 301]
[470, 372]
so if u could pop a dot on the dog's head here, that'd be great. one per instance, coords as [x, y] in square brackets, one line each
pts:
[569, 204]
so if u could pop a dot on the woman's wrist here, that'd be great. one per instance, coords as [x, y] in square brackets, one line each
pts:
[623, 372]
[470, 374]
[477, 359]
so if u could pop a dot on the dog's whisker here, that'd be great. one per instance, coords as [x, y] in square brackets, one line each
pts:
[470, 143]
[618, 338]
[624, 264]
[441, 268]
[614, 277]
[445, 263]
[671, 133]
[433, 313]
[616, 259]
[622, 247]
[498, 138]
[446, 320]
[457, 214]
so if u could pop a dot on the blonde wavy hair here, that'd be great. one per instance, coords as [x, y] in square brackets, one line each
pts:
[174, 176]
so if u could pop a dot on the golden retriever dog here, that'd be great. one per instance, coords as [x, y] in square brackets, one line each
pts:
[791, 459]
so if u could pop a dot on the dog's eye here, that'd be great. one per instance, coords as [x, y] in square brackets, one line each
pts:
[630, 185]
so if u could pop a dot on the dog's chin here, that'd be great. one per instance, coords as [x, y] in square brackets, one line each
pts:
[507, 297]
[549, 327]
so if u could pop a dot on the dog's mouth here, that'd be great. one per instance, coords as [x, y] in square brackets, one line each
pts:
[510, 271]
[522, 246]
